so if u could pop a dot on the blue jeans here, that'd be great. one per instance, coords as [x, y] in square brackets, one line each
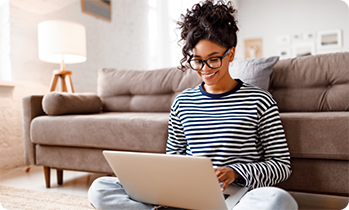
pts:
[107, 193]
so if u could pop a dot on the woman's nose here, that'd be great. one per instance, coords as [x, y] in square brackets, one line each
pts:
[205, 67]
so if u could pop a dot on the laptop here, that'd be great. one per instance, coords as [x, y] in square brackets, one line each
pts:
[172, 180]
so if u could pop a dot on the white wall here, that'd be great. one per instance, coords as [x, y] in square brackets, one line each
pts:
[267, 19]
[5, 62]
[121, 43]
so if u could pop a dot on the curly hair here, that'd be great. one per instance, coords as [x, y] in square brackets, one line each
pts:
[210, 21]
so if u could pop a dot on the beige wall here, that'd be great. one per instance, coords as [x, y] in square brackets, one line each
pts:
[11, 133]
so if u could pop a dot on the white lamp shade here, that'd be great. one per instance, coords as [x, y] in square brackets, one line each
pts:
[61, 40]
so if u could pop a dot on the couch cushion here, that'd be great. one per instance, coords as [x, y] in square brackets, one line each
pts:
[143, 91]
[57, 103]
[255, 71]
[119, 131]
[312, 83]
[320, 135]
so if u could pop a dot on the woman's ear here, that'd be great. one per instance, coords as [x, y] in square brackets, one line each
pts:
[232, 54]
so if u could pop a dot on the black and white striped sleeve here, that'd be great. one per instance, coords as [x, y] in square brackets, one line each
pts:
[275, 167]
[176, 142]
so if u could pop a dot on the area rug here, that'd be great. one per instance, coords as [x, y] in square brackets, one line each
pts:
[15, 198]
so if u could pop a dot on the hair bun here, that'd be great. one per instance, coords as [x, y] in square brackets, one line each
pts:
[208, 20]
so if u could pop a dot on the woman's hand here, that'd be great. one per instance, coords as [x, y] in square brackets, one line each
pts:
[226, 175]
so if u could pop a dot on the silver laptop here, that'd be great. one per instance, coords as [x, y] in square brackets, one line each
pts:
[172, 180]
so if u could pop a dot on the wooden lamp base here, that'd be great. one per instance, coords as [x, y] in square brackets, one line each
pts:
[61, 74]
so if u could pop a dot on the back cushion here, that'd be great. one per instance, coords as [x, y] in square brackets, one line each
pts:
[312, 83]
[143, 91]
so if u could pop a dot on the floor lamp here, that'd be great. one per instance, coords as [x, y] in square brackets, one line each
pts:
[61, 42]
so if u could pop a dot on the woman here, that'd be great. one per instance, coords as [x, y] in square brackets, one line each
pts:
[233, 123]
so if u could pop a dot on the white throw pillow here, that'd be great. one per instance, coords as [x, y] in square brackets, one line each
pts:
[254, 71]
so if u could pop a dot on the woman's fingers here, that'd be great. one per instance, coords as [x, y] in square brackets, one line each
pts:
[225, 175]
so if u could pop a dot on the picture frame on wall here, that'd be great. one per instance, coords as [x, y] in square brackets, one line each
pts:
[303, 49]
[284, 39]
[253, 48]
[284, 53]
[329, 39]
[297, 37]
[309, 36]
[97, 8]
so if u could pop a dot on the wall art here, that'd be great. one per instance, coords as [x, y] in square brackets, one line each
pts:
[97, 8]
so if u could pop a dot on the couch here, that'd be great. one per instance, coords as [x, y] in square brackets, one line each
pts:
[130, 113]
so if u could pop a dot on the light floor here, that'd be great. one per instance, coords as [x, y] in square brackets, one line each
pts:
[77, 183]
[74, 182]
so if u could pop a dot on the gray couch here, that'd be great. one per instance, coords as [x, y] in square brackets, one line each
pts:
[312, 94]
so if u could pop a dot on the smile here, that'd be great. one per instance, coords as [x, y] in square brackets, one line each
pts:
[208, 75]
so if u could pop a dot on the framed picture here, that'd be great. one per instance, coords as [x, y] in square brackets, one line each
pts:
[253, 48]
[284, 53]
[297, 37]
[303, 49]
[97, 8]
[284, 39]
[329, 39]
[309, 36]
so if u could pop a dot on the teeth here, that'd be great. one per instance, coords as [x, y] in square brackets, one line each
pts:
[208, 75]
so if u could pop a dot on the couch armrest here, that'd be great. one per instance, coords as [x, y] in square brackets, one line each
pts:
[32, 107]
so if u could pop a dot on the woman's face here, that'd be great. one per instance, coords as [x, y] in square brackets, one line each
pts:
[214, 78]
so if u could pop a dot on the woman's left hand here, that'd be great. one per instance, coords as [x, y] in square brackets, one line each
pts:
[226, 175]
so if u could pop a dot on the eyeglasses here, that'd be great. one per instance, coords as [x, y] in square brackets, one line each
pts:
[213, 63]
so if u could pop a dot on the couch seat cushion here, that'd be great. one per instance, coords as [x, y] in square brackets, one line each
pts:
[117, 131]
[320, 135]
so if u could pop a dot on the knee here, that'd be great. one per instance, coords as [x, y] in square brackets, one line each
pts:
[267, 198]
[278, 197]
[94, 193]
[98, 191]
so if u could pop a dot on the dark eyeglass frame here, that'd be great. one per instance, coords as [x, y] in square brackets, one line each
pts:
[203, 62]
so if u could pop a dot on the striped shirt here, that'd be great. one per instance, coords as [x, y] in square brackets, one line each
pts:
[240, 129]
